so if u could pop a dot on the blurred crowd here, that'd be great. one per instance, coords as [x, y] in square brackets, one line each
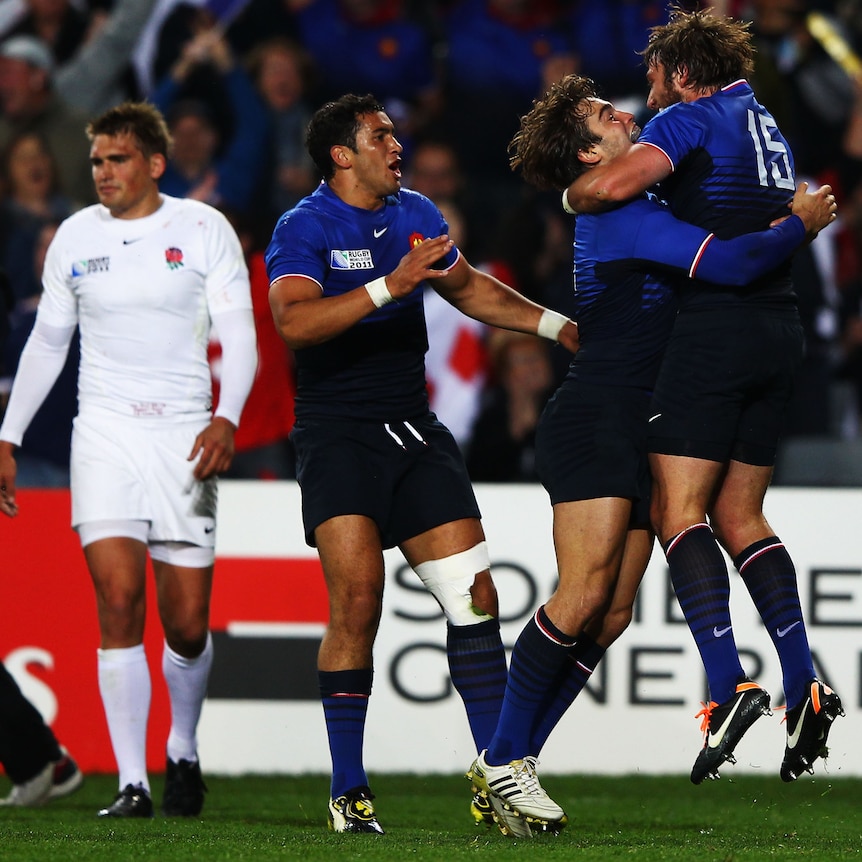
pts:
[238, 80]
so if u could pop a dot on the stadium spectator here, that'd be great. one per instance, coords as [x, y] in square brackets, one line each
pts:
[31, 197]
[607, 38]
[502, 444]
[29, 103]
[38, 766]
[376, 469]
[100, 74]
[377, 46]
[146, 275]
[217, 146]
[720, 401]
[281, 71]
[59, 24]
[499, 57]
[42, 460]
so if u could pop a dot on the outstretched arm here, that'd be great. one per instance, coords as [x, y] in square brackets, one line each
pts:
[485, 298]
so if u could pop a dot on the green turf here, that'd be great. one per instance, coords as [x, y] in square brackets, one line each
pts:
[426, 817]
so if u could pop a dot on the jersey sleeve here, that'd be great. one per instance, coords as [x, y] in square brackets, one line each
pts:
[296, 249]
[227, 283]
[676, 131]
[670, 243]
[58, 306]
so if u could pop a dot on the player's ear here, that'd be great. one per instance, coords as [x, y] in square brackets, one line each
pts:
[590, 156]
[341, 155]
[158, 163]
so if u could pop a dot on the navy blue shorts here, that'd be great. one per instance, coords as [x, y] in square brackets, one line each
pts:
[409, 477]
[591, 443]
[725, 383]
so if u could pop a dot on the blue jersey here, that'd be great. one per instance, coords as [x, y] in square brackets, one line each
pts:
[732, 174]
[628, 262]
[376, 369]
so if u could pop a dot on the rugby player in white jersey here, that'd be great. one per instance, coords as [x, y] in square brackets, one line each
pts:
[143, 276]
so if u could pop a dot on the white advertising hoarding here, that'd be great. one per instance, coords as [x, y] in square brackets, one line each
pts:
[638, 714]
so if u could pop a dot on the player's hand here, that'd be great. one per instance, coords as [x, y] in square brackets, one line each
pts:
[569, 337]
[417, 265]
[8, 470]
[215, 446]
[816, 209]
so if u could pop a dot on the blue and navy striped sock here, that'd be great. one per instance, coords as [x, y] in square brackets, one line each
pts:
[344, 694]
[770, 576]
[477, 665]
[699, 575]
[584, 657]
[540, 653]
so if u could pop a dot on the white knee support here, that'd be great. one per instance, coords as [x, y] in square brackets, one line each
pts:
[449, 581]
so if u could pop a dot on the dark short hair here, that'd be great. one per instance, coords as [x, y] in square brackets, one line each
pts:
[552, 133]
[715, 50]
[141, 120]
[336, 124]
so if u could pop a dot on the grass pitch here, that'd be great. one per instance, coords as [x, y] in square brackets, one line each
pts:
[255, 819]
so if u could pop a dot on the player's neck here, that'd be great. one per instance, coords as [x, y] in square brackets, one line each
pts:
[355, 195]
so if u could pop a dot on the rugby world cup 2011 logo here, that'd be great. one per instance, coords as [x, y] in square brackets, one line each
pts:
[174, 257]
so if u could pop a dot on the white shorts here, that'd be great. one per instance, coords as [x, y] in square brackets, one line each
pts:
[137, 470]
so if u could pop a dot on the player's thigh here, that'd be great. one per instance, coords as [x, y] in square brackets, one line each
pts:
[352, 560]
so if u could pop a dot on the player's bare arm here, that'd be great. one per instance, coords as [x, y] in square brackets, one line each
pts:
[8, 469]
[303, 317]
[485, 298]
[626, 176]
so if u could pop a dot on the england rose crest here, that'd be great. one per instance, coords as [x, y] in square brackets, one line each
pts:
[174, 257]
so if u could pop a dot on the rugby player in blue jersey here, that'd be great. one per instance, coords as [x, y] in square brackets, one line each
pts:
[720, 399]
[591, 441]
[347, 267]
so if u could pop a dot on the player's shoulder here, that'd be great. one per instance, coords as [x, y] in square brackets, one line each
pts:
[413, 199]
[192, 210]
[82, 222]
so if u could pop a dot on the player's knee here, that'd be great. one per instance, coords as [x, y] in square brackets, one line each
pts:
[461, 585]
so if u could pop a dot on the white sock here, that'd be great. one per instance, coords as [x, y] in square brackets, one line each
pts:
[186, 679]
[124, 683]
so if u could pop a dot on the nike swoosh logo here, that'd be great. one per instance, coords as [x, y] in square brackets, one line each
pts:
[715, 740]
[130, 241]
[379, 233]
[208, 529]
[782, 632]
[717, 632]
[653, 418]
[793, 738]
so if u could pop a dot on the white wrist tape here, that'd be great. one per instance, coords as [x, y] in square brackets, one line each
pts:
[378, 292]
[566, 206]
[551, 324]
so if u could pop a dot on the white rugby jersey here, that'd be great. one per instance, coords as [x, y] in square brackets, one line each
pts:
[144, 292]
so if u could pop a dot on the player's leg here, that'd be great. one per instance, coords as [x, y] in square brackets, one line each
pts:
[453, 563]
[31, 756]
[117, 564]
[352, 560]
[769, 575]
[183, 574]
[596, 638]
